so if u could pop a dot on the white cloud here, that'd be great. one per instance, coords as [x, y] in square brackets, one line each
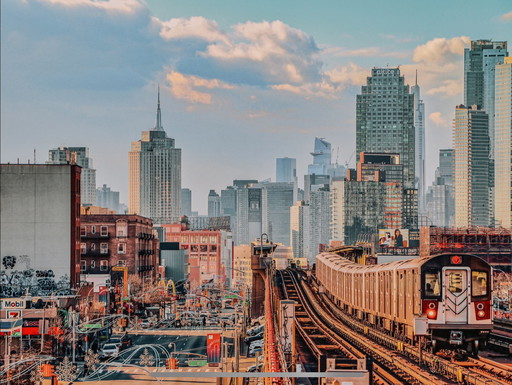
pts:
[506, 16]
[438, 119]
[351, 74]
[186, 87]
[440, 51]
[364, 52]
[194, 27]
[122, 6]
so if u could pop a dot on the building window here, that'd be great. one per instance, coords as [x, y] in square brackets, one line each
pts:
[83, 248]
[93, 229]
[104, 231]
[83, 265]
[121, 248]
[93, 246]
[103, 248]
[104, 265]
[121, 262]
[93, 264]
[122, 228]
[83, 231]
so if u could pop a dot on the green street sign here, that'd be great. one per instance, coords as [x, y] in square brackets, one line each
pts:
[92, 326]
[197, 362]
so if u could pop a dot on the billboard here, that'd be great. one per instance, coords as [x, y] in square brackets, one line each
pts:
[389, 238]
[213, 349]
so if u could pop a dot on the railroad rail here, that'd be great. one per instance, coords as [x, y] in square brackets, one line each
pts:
[453, 370]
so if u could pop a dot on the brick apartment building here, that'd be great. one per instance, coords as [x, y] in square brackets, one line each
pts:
[209, 252]
[109, 240]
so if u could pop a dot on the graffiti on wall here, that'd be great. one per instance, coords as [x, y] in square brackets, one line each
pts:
[16, 283]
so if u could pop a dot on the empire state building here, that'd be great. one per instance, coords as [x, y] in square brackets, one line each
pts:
[155, 175]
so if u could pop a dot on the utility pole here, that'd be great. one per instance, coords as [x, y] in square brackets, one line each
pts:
[73, 333]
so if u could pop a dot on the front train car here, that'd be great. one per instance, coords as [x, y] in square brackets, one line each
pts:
[456, 300]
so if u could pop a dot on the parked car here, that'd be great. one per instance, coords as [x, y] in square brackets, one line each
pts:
[121, 340]
[109, 350]
[255, 330]
[253, 338]
[144, 323]
[253, 352]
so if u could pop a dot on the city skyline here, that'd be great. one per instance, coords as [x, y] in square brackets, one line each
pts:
[222, 108]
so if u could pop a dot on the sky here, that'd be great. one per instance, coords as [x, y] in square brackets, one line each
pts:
[242, 82]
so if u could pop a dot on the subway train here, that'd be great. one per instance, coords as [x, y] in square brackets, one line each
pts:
[446, 298]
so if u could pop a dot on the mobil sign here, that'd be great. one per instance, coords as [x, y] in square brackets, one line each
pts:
[12, 303]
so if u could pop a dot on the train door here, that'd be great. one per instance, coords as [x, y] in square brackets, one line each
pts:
[456, 295]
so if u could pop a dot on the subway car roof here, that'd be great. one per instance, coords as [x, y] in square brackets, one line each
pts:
[337, 262]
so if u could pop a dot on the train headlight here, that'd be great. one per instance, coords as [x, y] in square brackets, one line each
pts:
[480, 314]
[432, 314]
[482, 310]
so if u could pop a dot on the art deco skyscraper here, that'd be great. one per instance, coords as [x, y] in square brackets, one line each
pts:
[503, 160]
[385, 119]
[155, 175]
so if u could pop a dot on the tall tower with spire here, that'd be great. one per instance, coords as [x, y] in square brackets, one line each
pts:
[155, 174]
[419, 153]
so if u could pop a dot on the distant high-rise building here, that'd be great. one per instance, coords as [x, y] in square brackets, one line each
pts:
[186, 202]
[213, 204]
[277, 198]
[80, 157]
[320, 218]
[105, 197]
[228, 207]
[300, 231]
[155, 175]
[419, 152]
[503, 160]
[312, 180]
[321, 157]
[472, 167]
[248, 214]
[286, 170]
[440, 198]
[385, 119]
[479, 77]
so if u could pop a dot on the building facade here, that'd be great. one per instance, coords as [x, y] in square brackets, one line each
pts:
[116, 240]
[277, 198]
[472, 167]
[300, 230]
[503, 159]
[39, 228]
[419, 152]
[286, 170]
[80, 157]
[186, 202]
[107, 198]
[214, 204]
[154, 179]
[210, 253]
[385, 119]
[440, 200]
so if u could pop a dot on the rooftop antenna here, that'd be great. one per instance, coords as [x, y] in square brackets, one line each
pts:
[34, 156]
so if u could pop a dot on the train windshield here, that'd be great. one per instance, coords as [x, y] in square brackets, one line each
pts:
[455, 282]
[432, 283]
[478, 283]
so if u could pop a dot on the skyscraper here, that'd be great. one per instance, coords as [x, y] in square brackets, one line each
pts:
[155, 175]
[440, 199]
[186, 202]
[321, 157]
[276, 199]
[385, 119]
[419, 133]
[105, 197]
[79, 156]
[213, 204]
[300, 231]
[479, 76]
[472, 167]
[503, 160]
[286, 170]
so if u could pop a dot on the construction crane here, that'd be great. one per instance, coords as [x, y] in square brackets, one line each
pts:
[349, 159]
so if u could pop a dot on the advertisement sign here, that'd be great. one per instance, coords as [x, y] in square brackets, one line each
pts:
[14, 314]
[13, 303]
[213, 349]
[394, 238]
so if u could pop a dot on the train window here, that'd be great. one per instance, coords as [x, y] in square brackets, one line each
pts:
[455, 282]
[432, 286]
[478, 283]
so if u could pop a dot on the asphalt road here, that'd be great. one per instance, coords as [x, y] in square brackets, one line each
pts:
[182, 346]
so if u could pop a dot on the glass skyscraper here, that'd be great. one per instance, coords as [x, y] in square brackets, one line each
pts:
[385, 119]
[503, 160]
